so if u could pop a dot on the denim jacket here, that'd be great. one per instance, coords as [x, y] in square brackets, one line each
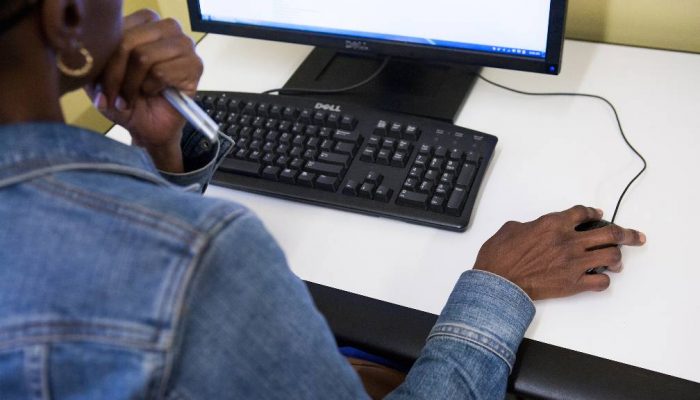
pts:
[119, 282]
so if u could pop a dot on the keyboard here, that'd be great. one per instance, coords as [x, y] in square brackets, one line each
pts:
[351, 157]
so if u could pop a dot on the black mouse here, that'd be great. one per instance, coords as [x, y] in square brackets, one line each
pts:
[589, 226]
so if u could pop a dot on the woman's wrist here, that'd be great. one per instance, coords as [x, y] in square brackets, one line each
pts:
[166, 157]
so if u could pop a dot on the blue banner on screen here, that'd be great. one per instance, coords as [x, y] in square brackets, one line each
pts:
[509, 27]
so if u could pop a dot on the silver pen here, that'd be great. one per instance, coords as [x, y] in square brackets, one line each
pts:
[200, 120]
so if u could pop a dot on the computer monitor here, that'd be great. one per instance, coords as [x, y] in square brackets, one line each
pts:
[435, 45]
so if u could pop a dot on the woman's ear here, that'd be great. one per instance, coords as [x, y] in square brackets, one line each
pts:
[62, 23]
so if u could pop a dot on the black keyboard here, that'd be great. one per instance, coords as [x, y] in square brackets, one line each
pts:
[351, 157]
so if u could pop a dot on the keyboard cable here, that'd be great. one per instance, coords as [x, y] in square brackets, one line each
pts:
[617, 117]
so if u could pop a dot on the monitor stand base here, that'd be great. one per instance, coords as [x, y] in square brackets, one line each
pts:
[434, 90]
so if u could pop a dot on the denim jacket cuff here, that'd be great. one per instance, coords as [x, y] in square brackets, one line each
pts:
[487, 311]
[200, 160]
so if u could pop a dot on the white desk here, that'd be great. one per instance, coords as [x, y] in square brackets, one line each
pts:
[553, 153]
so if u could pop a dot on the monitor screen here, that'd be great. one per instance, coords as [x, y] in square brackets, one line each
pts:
[514, 27]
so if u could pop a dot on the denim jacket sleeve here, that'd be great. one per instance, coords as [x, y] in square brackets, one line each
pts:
[251, 330]
[201, 159]
[471, 350]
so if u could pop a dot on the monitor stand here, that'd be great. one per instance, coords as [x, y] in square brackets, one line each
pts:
[435, 90]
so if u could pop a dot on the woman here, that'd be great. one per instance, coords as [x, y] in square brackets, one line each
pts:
[117, 282]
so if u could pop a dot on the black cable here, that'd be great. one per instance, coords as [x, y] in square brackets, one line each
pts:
[619, 124]
[332, 91]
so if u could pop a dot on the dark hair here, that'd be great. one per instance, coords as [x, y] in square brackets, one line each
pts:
[13, 11]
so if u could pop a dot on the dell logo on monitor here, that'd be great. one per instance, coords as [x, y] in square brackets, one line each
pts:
[356, 45]
[328, 107]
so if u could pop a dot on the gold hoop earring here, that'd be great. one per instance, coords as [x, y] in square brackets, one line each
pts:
[77, 72]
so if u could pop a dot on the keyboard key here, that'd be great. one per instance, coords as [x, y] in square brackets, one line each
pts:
[285, 126]
[382, 128]
[426, 187]
[297, 163]
[441, 152]
[416, 173]
[368, 154]
[452, 166]
[437, 163]
[374, 141]
[345, 148]
[456, 203]
[290, 113]
[276, 111]
[334, 158]
[282, 161]
[389, 144]
[466, 177]
[313, 143]
[456, 155]
[412, 132]
[473, 157]
[404, 146]
[412, 199]
[326, 133]
[348, 122]
[443, 190]
[437, 204]
[319, 118]
[367, 191]
[323, 168]
[447, 178]
[296, 152]
[241, 167]
[421, 161]
[311, 130]
[384, 157]
[329, 183]
[399, 159]
[410, 184]
[306, 179]
[333, 120]
[242, 153]
[310, 154]
[269, 159]
[271, 173]
[383, 193]
[305, 116]
[255, 155]
[289, 176]
[374, 178]
[425, 150]
[235, 105]
[327, 145]
[263, 109]
[250, 108]
[351, 188]
[396, 130]
[346, 136]
[432, 175]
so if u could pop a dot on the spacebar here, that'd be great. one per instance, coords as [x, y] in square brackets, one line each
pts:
[241, 167]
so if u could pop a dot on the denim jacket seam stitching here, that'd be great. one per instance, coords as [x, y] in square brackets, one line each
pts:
[201, 247]
[509, 284]
[97, 203]
[474, 336]
[67, 338]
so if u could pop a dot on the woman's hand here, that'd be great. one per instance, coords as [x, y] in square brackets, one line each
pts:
[154, 54]
[548, 258]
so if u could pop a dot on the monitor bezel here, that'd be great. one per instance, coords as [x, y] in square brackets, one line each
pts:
[550, 65]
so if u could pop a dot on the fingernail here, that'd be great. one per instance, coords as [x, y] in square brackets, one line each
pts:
[100, 101]
[642, 237]
[600, 211]
[120, 104]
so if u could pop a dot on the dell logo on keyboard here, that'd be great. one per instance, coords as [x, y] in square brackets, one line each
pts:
[328, 107]
[356, 45]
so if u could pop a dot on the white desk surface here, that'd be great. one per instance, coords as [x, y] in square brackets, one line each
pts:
[553, 153]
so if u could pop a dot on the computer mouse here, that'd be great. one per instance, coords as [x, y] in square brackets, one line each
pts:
[589, 226]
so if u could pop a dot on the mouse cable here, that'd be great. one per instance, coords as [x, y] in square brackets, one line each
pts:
[332, 91]
[617, 117]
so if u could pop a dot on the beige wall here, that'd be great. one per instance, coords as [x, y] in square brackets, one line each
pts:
[665, 24]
